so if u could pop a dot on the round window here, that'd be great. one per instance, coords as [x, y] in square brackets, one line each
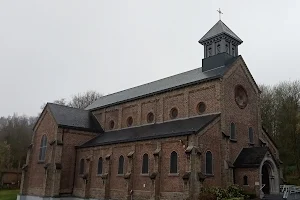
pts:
[129, 121]
[241, 97]
[111, 124]
[150, 117]
[201, 107]
[173, 113]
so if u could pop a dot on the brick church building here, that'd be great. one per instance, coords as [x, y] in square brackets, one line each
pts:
[161, 140]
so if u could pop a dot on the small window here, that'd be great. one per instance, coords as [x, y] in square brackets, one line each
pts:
[201, 107]
[129, 121]
[232, 131]
[43, 148]
[150, 117]
[100, 166]
[251, 139]
[218, 48]
[111, 124]
[145, 166]
[245, 180]
[81, 166]
[209, 51]
[121, 165]
[173, 113]
[233, 51]
[208, 163]
[173, 163]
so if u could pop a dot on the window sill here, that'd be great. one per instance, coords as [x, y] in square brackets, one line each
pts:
[41, 162]
[233, 140]
[99, 175]
[246, 185]
[209, 175]
[120, 175]
[145, 174]
[251, 144]
[173, 174]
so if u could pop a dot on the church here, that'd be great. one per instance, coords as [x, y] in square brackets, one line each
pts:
[162, 140]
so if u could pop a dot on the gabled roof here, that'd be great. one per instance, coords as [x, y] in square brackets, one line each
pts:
[218, 29]
[74, 118]
[173, 82]
[173, 128]
[250, 157]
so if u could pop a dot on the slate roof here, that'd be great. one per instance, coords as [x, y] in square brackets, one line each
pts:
[217, 29]
[173, 128]
[74, 118]
[250, 157]
[177, 81]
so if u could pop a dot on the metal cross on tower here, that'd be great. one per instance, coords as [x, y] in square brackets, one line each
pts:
[220, 13]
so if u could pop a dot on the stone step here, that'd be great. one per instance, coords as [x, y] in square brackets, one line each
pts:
[273, 197]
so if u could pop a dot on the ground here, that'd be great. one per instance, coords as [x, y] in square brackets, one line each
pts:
[9, 194]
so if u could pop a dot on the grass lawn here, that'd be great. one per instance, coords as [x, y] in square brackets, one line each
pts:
[8, 194]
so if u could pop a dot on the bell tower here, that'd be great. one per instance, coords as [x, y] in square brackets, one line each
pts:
[219, 43]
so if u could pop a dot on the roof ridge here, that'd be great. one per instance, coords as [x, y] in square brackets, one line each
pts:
[66, 106]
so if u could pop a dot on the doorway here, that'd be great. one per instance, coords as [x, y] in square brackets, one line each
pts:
[266, 178]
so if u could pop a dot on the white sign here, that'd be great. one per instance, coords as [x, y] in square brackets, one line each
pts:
[256, 183]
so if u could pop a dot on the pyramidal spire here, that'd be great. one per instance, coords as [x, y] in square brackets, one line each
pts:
[218, 29]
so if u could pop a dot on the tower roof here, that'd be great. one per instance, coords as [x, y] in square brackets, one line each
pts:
[218, 29]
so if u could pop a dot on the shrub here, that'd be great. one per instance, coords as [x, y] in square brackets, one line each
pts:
[207, 196]
[249, 195]
[231, 192]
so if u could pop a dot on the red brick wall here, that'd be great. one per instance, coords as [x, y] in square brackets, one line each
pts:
[10, 177]
[253, 176]
[167, 178]
[142, 185]
[243, 118]
[71, 138]
[185, 100]
[210, 140]
[36, 170]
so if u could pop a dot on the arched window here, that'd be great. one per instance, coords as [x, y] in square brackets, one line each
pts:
[145, 165]
[43, 148]
[245, 180]
[173, 162]
[232, 131]
[81, 166]
[208, 163]
[121, 165]
[100, 166]
[251, 139]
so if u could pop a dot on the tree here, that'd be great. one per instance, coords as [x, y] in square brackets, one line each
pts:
[5, 156]
[280, 106]
[59, 102]
[84, 100]
[17, 134]
[80, 100]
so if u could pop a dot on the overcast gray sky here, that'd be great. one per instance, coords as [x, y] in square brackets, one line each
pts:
[53, 49]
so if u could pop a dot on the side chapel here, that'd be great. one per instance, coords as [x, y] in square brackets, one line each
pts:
[161, 140]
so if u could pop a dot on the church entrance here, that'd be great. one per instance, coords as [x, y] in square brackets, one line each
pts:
[266, 179]
[269, 179]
